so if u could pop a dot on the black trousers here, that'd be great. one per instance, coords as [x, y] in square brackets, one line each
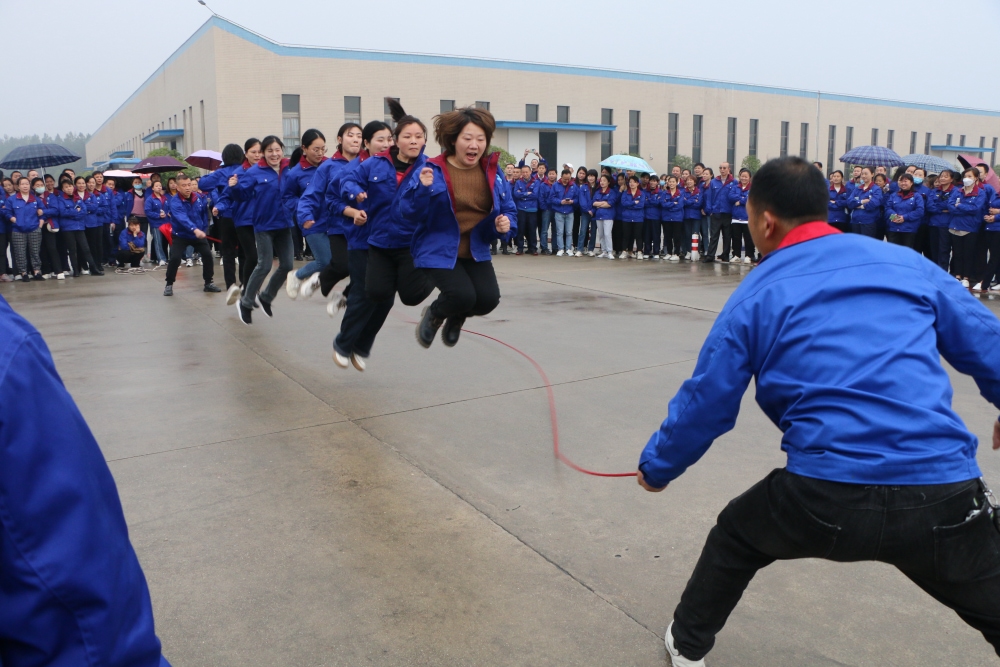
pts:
[720, 223]
[95, 240]
[527, 228]
[363, 318]
[963, 250]
[391, 271]
[617, 236]
[741, 237]
[179, 246]
[133, 259]
[908, 239]
[339, 266]
[467, 290]
[940, 241]
[227, 234]
[4, 242]
[52, 260]
[921, 530]
[79, 250]
[248, 243]
[993, 265]
[632, 235]
[673, 238]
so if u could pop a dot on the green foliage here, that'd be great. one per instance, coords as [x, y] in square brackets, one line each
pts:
[752, 163]
[193, 172]
[684, 162]
[505, 157]
[73, 142]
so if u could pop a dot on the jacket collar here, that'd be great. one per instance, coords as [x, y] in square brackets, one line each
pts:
[807, 231]
[281, 167]
[975, 190]
[306, 164]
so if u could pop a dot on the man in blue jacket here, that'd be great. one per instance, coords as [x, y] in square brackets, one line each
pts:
[71, 588]
[879, 465]
[720, 214]
[189, 220]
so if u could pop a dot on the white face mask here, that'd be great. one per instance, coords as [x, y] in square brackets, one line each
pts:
[967, 182]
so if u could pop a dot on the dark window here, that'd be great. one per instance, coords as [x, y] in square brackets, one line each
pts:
[531, 113]
[848, 139]
[483, 105]
[672, 121]
[447, 105]
[290, 122]
[607, 136]
[352, 110]
[783, 151]
[927, 144]
[562, 114]
[753, 137]
[804, 140]
[961, 140]
[993, 157]
[831, 148]
[947, 141]
[874, 136]
[696, 139]
[387, 115]
[982, 144]
[731, 142]
[890, 138]
[633, 132]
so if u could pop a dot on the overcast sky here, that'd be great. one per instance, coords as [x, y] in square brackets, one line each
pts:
[898, 50]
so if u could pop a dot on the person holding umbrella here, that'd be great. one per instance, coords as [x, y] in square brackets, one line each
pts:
[189, 219]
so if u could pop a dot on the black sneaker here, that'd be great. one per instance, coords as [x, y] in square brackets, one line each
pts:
[505, 252]
[245, 314]
[212, 287]
[428, 328]
[38, 276]
[451, 330]
[168, 290]
[265, 306]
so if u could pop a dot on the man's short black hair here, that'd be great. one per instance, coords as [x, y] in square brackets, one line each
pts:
[550, 170]
[791, 189]
[566, 171]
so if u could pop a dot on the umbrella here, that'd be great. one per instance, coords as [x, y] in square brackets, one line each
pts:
[872, 156]
[627, 163]
[168, 233]
[972, 160]
[209, 160]
[155, 165]
[37, 156]
[929, 163]
[118, 173]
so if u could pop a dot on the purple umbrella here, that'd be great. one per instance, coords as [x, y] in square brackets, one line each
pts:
[155, 165]
[204, 159]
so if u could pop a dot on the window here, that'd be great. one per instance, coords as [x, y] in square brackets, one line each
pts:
[804, 140]
[562, 114]
[483, 105]
[993, 157]
[447, 106]
[961, 140]
[387, 114]
[874, 136]
[947, 142]
[982, 144]
[633, 132]
[927, 144]
[848, 139]
[696, 139]
[731, 142]
[913, 143]
[531, 113]
[890, 138]
[607, 136]
[672, 122]
[831, 148]
[753, 137]
[290, 122]
[783, 152]
[352, 110]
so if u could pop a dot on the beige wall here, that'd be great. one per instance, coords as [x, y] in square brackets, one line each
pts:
[243, 98]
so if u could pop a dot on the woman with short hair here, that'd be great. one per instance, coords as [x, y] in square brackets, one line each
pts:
[865, 204]
[632, 203]
[968, 207]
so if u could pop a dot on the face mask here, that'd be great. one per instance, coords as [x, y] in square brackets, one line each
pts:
[917, 180]
[137, 188]
[967, 182]
[663, 184]
[39, 190]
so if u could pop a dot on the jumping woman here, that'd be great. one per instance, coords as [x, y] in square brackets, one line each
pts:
[297, 180]
[215, 185]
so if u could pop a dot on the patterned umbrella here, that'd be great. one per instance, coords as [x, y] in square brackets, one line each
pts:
[155, 165]
[872, 156]
[929, 163]
[627, 163]
[37, 156]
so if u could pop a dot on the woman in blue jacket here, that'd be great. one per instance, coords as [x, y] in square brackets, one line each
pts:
[584, 201]
[24, 211]
[672, 217]
[605, 204]
[865, 204]
[904, 212]
[839, 193]
[992, 231]
[313, 213]
[91, 223]
[460, 204]
[241, 213]
[261, 184]
[692, 213]
[632, 203]
[296, 181]
[968, 209]
[939, 214]
[215, 183]
[738, 195]
[70, 210]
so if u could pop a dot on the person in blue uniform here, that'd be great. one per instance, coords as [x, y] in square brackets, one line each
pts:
[880, 468]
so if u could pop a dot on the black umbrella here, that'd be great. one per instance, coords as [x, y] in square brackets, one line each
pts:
[37, 156]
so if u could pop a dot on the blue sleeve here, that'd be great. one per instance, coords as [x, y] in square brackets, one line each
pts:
[414, 202]
[351, 184]
[309, 203]
[73, 589]
[148, 208]
[123, 240]
[974, 205]
[705, 407]
[243, 190]
[877, 196]
[918, 211]
[179, 216]
[290, 195]
[214, 180]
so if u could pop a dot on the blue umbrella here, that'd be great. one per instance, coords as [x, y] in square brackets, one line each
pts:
[929, 163]
[872, 156]
[37, 156]
[627, 163]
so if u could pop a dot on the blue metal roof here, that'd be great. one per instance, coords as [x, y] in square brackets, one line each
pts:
[578, 127]
[963, 149]
[122, 154]
[162, 135]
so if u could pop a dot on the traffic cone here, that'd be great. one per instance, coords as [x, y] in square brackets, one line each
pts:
[694, 248]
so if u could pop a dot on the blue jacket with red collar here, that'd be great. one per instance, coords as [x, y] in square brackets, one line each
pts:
[558, 193]
[938, 206]
[125, 238]
[215, 184]
[693, 203]
[910, 206]
[339, 222]
[25, 212]
[544, 189]
[849, 369]
[526, 194]
[652, 209]
[69, 212]
[153, 206]
[261, 185]
[240, 212]
[430, 209]
[865, 214]
[632, 207]
[838, 205]
[312, 203]
[187, 215]
[294, 185]
[969, 209]
[91, 206]
[672, 205]
[584, 198]
[378, 179]
[720, 202]
[738, 200]
[610, 197]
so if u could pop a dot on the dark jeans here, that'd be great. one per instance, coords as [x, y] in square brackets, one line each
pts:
[272, 243]
[297, 241]
[527, 228]
[964, 250]
[865, 230]
[339, 266]
[921, 530]
[79, 250]
[133, 259]
[179, 246]
[651, 237]
[720, 224]
[673, 238]
[227, 234]
[632, 236]
[940, 246]
[741, 237]
[470, 289]
[390, 271]
[908, 239]
[248, 246]
[363, 318]
[993, 266]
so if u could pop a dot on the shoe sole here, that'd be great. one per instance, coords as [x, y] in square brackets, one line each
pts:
[358, 363]
[233, 298]
[419, 339]
[239, 314]
[336, 360]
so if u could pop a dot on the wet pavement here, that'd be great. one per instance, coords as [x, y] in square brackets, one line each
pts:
[288, 512]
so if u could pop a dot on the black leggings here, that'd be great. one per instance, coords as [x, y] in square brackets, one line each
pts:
[633, 236]
[248, 244]
[52, 262]
[227, 234]
[673, 237]
[79, 250]
[468, 290]
[338, 268]
[741, 232]
[95, 240]
[390, 271]
[908, 239]
[993, 266]
[963, 250]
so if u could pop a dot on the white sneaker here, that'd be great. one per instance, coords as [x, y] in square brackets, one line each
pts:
[189, 263]
[309, 287]
[624, 255]
[656, 258]
[85, 272]
[978, 287]
[674, 258]
[162, 263]
[358, 362]
[60, 276]
[965, 282]
[559, 253]
[292, 284]
[221, 260]
[687, 255]
[747, 260]
[579, 253]
[337, 302]
[676, 659]
[590, 253]
[198, 262]
[340, 359]
[638, 255]
[995, 288]
[232, 295]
